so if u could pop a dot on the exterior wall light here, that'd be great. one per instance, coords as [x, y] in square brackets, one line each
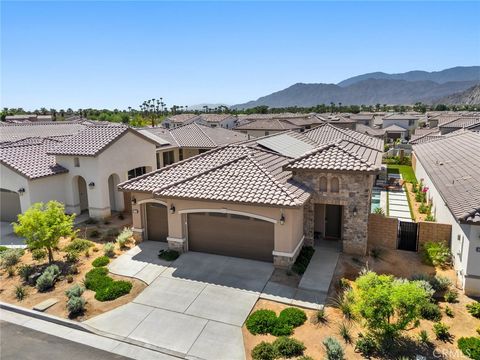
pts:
[354, 211]
[134, 201]
[172, 209]
[91, 184]
[282, 219]
[21, 191]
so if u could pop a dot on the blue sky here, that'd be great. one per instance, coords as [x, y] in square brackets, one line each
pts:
[117, 54]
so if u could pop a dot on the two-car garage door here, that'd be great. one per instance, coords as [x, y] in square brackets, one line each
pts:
[231, 235]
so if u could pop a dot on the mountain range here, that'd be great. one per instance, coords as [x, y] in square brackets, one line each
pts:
[373, 88]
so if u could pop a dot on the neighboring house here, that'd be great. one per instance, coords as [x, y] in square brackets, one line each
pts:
[78, 164]
[449, 167]
[343, 122]
[264, 127]
[395, 132]
[366, 119]
[226, 121]
[408, 122]
[464, 122]
[175, 121]
[375, 132]
[189, 140]
[27, 118]
[263, 199]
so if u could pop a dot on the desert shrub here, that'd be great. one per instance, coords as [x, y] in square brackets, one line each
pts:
[303, 259]
[75, 291]
[69, 279]
[20, 292]
[451, 296]
[101, 261]
[39, 254]
[320, 316]
[425, 285]
[441, 331]
[75, 305]
[261, 322]
[436, 254]
[73, 269]
[344, 331]
[168, 255]
[449, 311]
[10, 257]
[344, 302]
[423, 208]
[72, 256]
[109, 249]
[379, 211]
[97, 278]
[24, 271]
[430, 217]
[293, 316]
[474, 309]
[79, 245]
[281, 328]
[365, 345]
[124, 237]
[94, 233]
[376, 253]
[114, 290]
[11, 271]
[440, 283]
[95, 249]
[430, 311]
[333, 349]
[344, 283]
[470, 346]
[264, 351]
[288, 347]
[48, 278]
[423, 337]
[3, 248]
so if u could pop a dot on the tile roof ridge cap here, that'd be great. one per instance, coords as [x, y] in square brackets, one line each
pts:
[313, 151]
[170, 131]
[156, 190]
[342, 148]
[355, 141]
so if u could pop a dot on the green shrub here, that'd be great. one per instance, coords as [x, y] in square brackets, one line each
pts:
[75, 291]
[101, 261]
[293, 316]
[48, 278]
[39, 254]
[124, 237]
[449, 311]
[69, 279]
[320, 316]
[344, 302]
[114, 290]
[288, 348]
[10, 257]
[24, 271]
[365, 345]
[441, 331]
[436, 254]
[430, 217]
[474, 309]
[97, 278]
[379, 211]
[344, 283]
[3, 248]
[303, 259]
[430, 311]
[168, 255]
[20, 292]
[440, 283]
[264, 351]
[109, 249]
[451, 296]
[78, 245]
[344, 331]
[75, 305]
[470, 346]
[261, 322]
[423, 337]
[281, 328]
[333, 349]
[11, 271]
[71, 256]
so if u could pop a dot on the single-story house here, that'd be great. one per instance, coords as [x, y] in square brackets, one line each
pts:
[263, 199]
[77, 163]
[450, 169]
[226, 121]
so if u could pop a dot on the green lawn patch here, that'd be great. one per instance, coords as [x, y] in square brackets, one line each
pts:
[406, 171]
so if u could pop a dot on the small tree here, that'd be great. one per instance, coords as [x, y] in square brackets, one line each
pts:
[42, 225]
[387, 305]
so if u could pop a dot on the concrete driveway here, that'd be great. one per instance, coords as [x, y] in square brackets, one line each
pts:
[194, 308]
[8, 237]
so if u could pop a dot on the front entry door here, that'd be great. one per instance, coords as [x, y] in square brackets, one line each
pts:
[333, 220]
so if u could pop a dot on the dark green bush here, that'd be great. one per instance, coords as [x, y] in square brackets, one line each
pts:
[261, 322]
[168, 255]
[264, 351]
[39, 254]
[303, 259]
[288, 347]
[470, 346]
[281, 328]
[71, 256]
[113, 291]
[25, 271]
[365, 345]
[474, 309]
[101, 261]
[441, 331]
[97, 278]
[20, 292]
[436, 254]
[430, 311]
[293, 316]
[78, 245]
[3, 248]
[451, 296]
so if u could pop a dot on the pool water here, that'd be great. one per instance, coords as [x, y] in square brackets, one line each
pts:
[375, 200]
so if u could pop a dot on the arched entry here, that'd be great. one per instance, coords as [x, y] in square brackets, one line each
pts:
[116, 198]
[9, 205]
[81, 193]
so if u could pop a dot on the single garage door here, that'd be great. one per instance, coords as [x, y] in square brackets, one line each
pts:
[231, 235]
[9, 205]
[157, 222]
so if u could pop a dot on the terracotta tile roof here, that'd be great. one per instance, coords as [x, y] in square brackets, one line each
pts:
[181, 118]
[364, 129]
[452, 164]
[233, 173]
[90, 141]
[30, 157]
[267, 124]
[463, 122]
[215, 117]
[17, 131]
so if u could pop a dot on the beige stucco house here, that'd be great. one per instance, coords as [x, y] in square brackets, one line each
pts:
[263, 199]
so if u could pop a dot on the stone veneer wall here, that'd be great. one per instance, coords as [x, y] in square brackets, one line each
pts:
[354, 193]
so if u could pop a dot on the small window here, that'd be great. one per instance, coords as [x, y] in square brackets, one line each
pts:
[76, 162]
[168, 158]
[201, 151]
[323, 184]
[335, 185]
[180, 154]
[137, 172]
[158, 161]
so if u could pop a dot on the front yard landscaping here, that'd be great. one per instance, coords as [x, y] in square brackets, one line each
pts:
[398, 308]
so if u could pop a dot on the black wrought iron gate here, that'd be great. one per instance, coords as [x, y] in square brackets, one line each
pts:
[407, 235]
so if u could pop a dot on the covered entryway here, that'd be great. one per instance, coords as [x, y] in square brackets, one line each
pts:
[231, 235]
[333, 221]
[157, 221]
[115, 196]
[9, 205]
[82, 193]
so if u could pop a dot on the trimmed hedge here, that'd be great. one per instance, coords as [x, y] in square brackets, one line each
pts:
[470, 346]
[264, 351]
[266, 322]
[101, 261]
[105, 287]
[78, 245]
[287, 347]
[293, 316]
[474, 309]
[261, 322]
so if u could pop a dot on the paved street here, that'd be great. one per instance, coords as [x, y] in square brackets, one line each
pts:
[21, 343]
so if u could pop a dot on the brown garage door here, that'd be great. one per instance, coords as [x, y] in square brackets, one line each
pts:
[157, 222]
[231, 235]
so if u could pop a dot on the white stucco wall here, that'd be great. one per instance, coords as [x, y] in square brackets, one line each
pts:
[465, 237]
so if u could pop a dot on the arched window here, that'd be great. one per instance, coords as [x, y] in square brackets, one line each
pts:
[335, 185]
[323, 184]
